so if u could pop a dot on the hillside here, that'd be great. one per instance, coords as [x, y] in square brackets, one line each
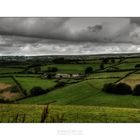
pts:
[85, 93]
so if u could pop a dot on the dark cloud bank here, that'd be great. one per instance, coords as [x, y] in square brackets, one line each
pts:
[40, 36]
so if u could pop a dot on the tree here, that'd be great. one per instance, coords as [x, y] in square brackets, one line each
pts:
[88, 70]
[136, 90]
[51, 75]
[110, 87]
[137, 66]
[113, 61]
[37, 91]
[123, 89]
[120, 88]
[102, 66]
[52, 69]
[105, 60]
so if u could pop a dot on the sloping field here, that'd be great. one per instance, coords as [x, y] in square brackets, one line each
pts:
[79, 114]
[108, 74]
[132, 80]
[85, 93]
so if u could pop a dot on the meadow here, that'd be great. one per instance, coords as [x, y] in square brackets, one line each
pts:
[71, 114]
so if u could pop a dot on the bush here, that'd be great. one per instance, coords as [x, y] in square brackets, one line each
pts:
[136, 90]
[121, 88]
[37, 91]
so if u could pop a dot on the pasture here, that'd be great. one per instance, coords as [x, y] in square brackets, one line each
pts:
[29, 82]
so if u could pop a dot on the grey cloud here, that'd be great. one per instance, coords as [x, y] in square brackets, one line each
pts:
[32, 27]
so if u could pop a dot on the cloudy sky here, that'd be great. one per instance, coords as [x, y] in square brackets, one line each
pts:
[50, 36]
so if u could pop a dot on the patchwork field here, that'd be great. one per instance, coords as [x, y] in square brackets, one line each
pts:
[80, 100]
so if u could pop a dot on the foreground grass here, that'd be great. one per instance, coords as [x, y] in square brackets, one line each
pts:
[79, 114]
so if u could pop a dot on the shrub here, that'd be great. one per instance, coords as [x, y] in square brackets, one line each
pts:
[136, 90]
[37, 91]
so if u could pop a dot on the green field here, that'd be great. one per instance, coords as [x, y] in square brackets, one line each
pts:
[85, 93]
[28, 83]
[72, 114]
[73, 68]
[7, 80]
[10, 70]
[127, 65]
[108, 74]
[81, 100]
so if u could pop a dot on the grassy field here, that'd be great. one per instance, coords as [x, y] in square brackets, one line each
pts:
[83, 101]
[10, 70]
[7, 80]
[27, 83]
[73, 68]
[72, 114]
[127, 65]
[108, 74]
[86, 93]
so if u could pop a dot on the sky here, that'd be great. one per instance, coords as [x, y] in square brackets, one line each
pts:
[69, 36]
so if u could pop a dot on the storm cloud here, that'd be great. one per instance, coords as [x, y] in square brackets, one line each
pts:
[39, 36]
[73, 29]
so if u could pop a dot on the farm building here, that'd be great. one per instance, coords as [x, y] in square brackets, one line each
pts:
[64, 75]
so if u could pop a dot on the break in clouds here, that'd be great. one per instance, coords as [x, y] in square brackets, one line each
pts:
[69, 36]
